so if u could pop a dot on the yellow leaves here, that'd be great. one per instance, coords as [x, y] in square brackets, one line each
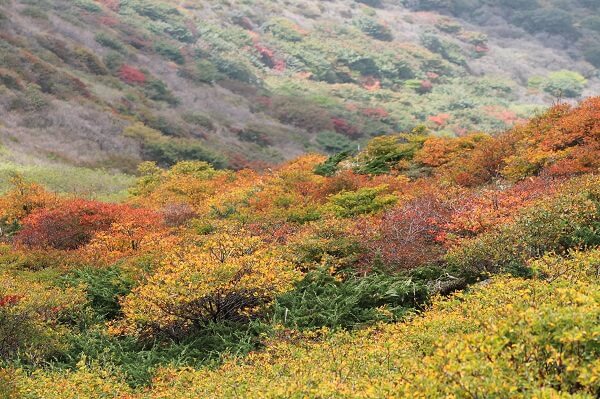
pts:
[577, 265]
[23, 198]
[487, 343]
[224, 276]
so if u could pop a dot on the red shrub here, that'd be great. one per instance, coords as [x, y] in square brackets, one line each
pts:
[440, 119]
[9, 300]
[375, 113]
[405, 237]
[69, 226]
[343, 127]
[73, 223]
[131, 75]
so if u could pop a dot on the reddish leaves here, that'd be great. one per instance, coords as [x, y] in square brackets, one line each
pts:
[10, 300]
[131, 75]
[73, 223]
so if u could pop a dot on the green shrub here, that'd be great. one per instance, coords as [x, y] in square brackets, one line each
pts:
[362, 201]
[330, 166]
[564, 83]
[170, 52]
[323, 300]
[89, 6]
[199, 119]
[446, 49]
[158, 91]
[109, 42]
[103, 287]
[34, 12]
[90, 61]
[203, 71]
[383, 153]
[137, 361]
[333, 142]
[592, 54]
[374, 29]
[30, 100]
[283, 29]
[234, 69]
[591, 22]
[153, 10]
[551, 20]
[169, 152]
[113, 61]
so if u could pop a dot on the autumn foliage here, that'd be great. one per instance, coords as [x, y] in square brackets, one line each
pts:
[199, 262]
[132, 75]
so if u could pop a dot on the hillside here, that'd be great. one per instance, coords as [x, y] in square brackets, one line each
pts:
[251, 83]
[420, 266]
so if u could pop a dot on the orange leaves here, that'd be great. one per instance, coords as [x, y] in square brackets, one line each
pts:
[100, 232]
[561, 142]
[134, 231]
[23, 199]
[68, 226]
[479, 212]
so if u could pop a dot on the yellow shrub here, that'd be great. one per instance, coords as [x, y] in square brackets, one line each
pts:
[511, 338]
[228, 276]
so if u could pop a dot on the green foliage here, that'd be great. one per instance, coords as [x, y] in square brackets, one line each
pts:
[446, 49]
[591, 22]
[158, 91]
[110, 42]
[333, 142]
[592, 54]
[103, 287]
[234, 69]
[551, 20]
[169, 152]
[383, 153]
[323, 300]
[199, 119]
[137, 362]
[330, 166]
[113, 61]
[283, 29]
[203, 71]
[362, 201]
[374, 29]
[170, 52]
[561, 83]
[88, 5]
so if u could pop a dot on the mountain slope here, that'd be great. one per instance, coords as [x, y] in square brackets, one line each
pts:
[111, 83]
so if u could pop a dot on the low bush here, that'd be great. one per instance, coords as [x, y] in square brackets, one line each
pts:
[322, 300]
[362, 201]
[35, 318]
[374, 29]
[570, 220]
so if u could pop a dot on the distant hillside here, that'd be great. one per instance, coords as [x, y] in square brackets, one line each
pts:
[249, 83]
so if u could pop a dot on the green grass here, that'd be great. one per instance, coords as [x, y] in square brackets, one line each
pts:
[92, 183]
